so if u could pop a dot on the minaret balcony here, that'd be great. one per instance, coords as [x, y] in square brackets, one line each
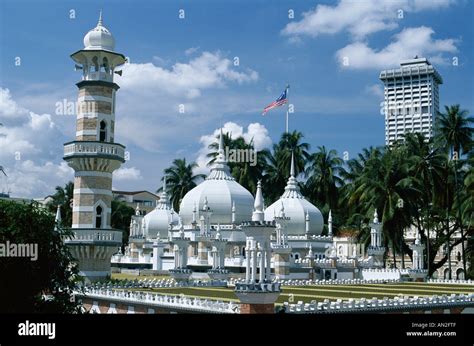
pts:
[94, 237]
[83, 149]
[98, 76]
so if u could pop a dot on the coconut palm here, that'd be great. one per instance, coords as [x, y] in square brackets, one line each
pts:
[454, 132]
[324, 177]
[180, 179]
[63, 197]
[384, 185]
[277, 170]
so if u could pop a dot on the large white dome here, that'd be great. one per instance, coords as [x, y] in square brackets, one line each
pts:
[99, 38]
[158, 220]
[296, 207]
[222, 193]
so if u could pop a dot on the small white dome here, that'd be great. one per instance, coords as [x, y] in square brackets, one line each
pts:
[223, 194]
[297, 208]
[99, 38]
[158, 220]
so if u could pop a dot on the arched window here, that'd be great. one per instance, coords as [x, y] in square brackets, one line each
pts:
[103, 131]
[105, 65]
[243, 251]
[95, 63]
[458, 256]
[98, 217]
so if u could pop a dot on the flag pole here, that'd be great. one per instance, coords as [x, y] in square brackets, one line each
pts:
[287, 105]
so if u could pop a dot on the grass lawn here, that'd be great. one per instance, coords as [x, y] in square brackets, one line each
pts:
[331, 292]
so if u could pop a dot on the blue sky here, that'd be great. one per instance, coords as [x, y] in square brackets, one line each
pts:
[190, 61]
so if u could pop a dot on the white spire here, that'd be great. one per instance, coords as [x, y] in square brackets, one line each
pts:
[137, 210]
[218, 233]
[258, 214]
[330, 223]
[163, 202]
[194, 213]
[58, 214]
[307, 222]
[221, 142]
[292, 190]
[233, 211]
[99, 23]
[57, 219]
[376, 216]
[220, 170]
[292, 167]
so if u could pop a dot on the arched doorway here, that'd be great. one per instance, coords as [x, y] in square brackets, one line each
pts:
[460, 274]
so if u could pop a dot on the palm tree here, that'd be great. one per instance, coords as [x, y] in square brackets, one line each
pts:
[180, 179]
[383, 184]
[120, 219]
[63, 197]
[324, 172]
[454, 132]
[277, 169]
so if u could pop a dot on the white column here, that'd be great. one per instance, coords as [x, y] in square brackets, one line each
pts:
[262, 266]
[254, 261]
[268, 255]
[247, 256]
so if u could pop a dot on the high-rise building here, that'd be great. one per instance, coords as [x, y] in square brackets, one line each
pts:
[94, 155]
[411, 98]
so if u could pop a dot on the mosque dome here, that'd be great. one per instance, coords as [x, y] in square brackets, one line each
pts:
[221, 193]
[158, 220]
[99, 38]
[297, 208]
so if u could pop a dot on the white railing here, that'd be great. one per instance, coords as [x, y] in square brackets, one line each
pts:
[95, 235]
[452, 281]
[385, 304]
[94, 148]
[165, 301]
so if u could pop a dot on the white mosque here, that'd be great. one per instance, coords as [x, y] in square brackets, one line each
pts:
[210, 235]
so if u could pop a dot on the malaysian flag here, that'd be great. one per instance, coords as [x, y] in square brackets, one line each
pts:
[280, 101]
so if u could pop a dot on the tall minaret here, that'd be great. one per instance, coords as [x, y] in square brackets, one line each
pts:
[93, 154]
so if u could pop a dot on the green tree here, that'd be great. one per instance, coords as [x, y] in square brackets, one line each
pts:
[64, 198]
[277, 169]
[42, 285]
[121, 216]
[324, 178]
[180, 179]
[454, 133]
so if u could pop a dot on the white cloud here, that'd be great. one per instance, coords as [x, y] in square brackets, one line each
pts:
[9, 109]
[359, 18]
[32, 180]
[374, 89]
[209, 70]
[255, 131]
[30, 150]
[406, 44]
[191, 51]
[127, 173]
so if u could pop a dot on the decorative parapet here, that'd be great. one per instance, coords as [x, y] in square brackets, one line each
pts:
[94, 148]
[335, 282]
[310, 237]
[93, 236]
[452, 281]
[385, 304]
[164, 301]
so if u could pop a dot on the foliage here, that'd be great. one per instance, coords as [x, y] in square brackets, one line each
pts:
[47, 283]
